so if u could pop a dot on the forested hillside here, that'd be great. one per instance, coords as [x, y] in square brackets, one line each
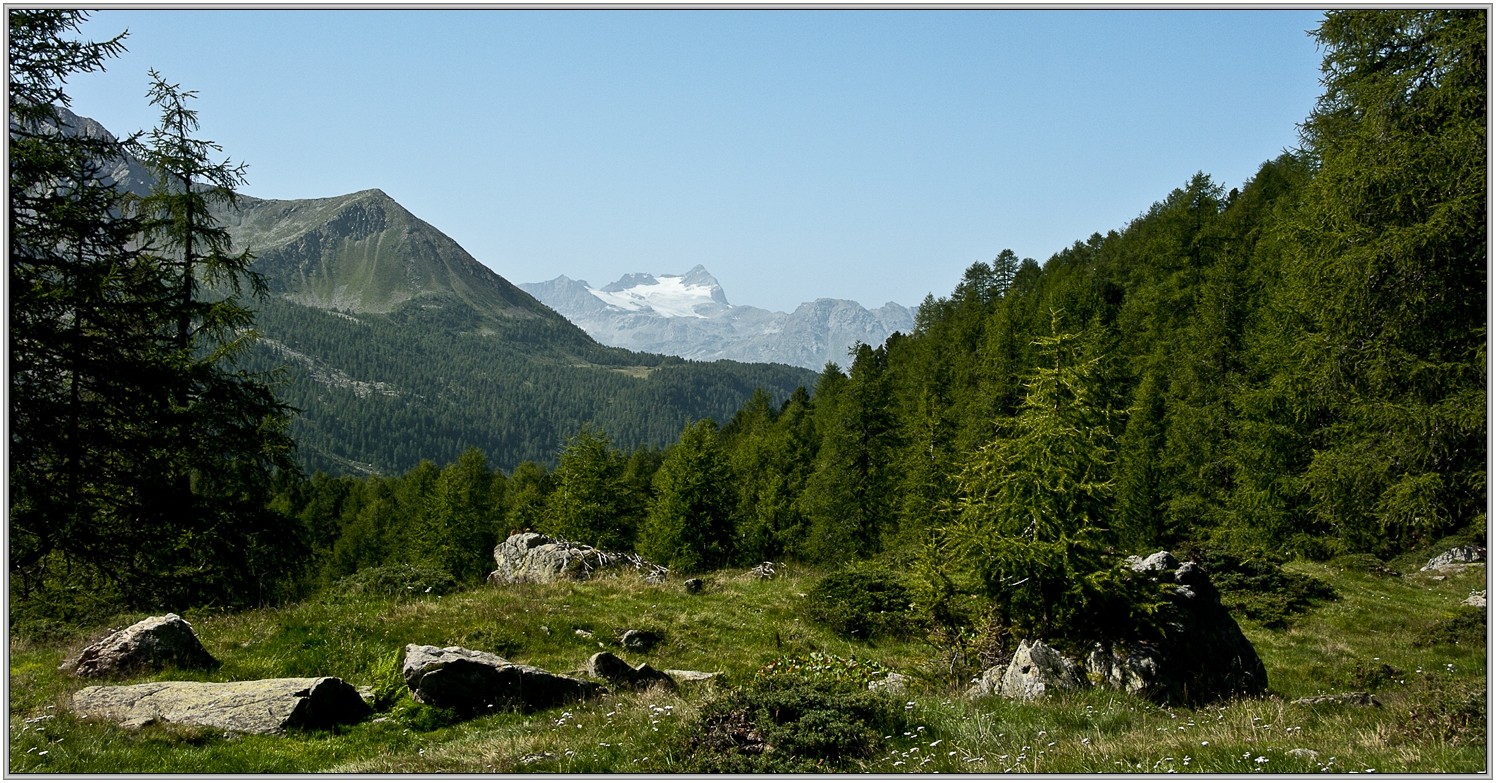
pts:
[1291, 366]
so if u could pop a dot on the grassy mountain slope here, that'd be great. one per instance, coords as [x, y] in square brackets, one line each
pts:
[397, 346]
[1431, 719]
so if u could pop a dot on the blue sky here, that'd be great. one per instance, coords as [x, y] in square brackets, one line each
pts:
[859, 154]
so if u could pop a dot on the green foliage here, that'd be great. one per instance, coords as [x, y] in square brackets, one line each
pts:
[795, 716]
[1254, 585]
[1031, 505]
[591, 503]
[396, 580]
[861, 602]
[145, 453]
[1467, 627]
[690, 525]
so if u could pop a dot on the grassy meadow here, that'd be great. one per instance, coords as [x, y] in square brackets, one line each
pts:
[1403, 637]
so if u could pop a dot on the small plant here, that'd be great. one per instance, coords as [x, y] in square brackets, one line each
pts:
[862, 602]
[794, 717]
[401, 579]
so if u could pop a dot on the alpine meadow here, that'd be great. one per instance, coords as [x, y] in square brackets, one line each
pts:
[1204, 493]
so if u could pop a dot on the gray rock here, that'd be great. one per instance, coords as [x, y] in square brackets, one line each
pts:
[250, 707]
[1158, 561]
[639, 641]
[694, 585]
[1035, 670]
[1455, 556]
[472, 682]
[1134, 668]
[1352, 699]
[534, 558]
[147, 646]
[1477, 599]
[616, 672]
[687, 675]
[1304, 753]
[893, 683]
[1201, 654]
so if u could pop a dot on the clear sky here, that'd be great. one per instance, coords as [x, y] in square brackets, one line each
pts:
[858, 154]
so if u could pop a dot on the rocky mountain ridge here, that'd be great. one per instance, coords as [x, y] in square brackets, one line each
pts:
[689, 316]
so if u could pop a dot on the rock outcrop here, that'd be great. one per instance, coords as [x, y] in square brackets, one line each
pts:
[150, 645]
[1456, 556]
[534, 558]
[616, 672]
[1200, 656]
[1035, 670]
[472, 682]
[249, 707]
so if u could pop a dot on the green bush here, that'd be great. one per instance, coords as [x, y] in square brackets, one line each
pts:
[862, 602]
[1254, 585]
[794, 719]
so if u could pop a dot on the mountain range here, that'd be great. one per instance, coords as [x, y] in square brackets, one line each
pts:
[689, 316]
[397, 346]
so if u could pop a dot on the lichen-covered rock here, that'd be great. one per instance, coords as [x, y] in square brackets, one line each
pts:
[534, 558]
[1352, 699]
[1456, 556]
[1035, 670]
[150, 645]
[248, 707]
[472, 681]
[616, 672]
[1202, 656]
[1134, 668]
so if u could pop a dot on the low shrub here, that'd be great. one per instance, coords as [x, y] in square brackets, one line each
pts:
[862, 602]
[1467, 627]
[793, 718]
[401, 579]
[1253, 584]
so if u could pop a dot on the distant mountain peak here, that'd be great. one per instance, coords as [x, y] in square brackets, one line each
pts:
[695, 294]
[688, 315]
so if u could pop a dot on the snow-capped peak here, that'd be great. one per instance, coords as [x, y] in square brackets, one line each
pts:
[672, 296]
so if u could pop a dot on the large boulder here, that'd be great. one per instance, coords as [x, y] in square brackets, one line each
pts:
[472, 681]
[150, 645]
[1035, 670]
[250, 707]
[534, 558]
[1201, 656]
[616, 672]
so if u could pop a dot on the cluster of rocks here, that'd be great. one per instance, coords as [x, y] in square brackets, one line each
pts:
[1201, 656]
[462, 680]
[537, 559]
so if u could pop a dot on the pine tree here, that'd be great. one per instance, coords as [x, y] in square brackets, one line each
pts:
[690, 526]
[1031, 514]
[1388, 280]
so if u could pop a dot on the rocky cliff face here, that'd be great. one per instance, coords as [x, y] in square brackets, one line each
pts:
[689, 316]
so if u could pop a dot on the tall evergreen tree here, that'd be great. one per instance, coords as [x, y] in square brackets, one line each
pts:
[1033, 506]
[1389, 277]
[691, 518]
[143, 467]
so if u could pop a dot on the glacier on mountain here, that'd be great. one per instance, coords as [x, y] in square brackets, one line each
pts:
[689, 316]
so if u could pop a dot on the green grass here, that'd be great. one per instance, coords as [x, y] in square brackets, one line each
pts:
[1382, 635]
